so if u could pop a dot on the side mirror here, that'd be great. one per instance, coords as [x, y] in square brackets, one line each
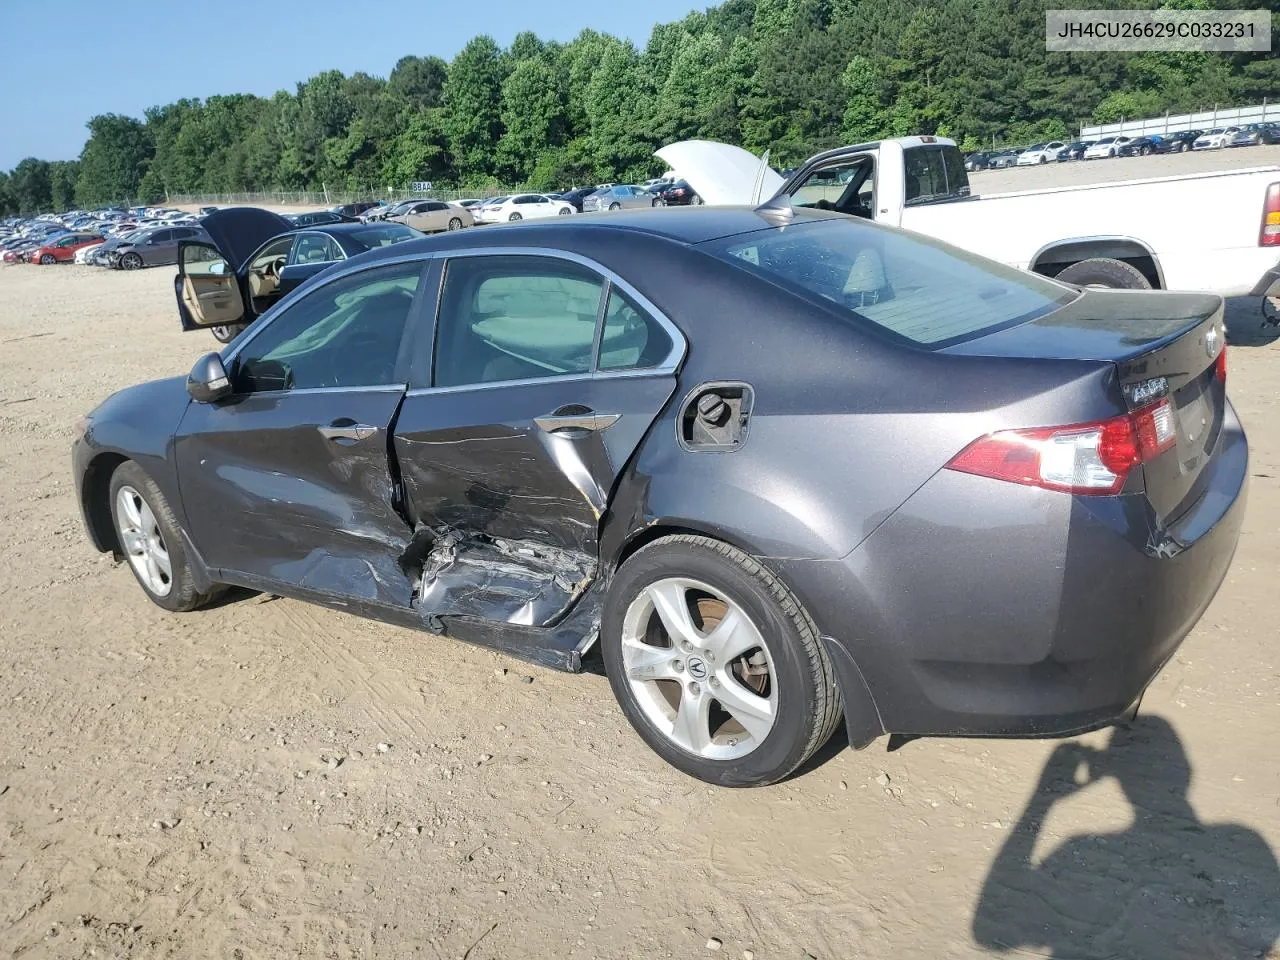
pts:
[208, 381]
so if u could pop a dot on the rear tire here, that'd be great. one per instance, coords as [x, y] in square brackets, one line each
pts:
[514, 217]
[774, 656]
[565, 212]
[455, 223]
[150, 539]
[1105, 272]
[226, 332]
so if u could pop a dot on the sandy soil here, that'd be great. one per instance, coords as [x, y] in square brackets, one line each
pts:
[211, 785]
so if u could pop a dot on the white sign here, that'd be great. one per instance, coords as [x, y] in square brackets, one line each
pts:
[420, 186]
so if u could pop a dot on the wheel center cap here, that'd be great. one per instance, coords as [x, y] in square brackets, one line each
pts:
[697, 668]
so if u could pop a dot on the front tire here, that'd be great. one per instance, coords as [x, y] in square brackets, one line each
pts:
[226, 332]
[150, 540]
[615, 206]
[48, 258]
[131, 261]
[1105, 272]
[715, 663]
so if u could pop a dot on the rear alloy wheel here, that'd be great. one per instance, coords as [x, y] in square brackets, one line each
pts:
[148, 536]
[697, 201]
[48, 258]
[564, 212]
[514, 217]
[715, 664]
[1105, 272]
[131, 261]
[226, 332]
[455, 223]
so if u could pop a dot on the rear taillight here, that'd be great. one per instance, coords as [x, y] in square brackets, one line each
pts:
[1269, 236]
[1220, 366]
[1084, 458]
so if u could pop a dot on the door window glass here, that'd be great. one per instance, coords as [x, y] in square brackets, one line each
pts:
[515, 318]
[161, 236]
[315, 248]
[343, 334]
[631, 339]
[199, 259]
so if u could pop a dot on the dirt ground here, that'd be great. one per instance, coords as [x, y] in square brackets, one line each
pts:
[269, 779]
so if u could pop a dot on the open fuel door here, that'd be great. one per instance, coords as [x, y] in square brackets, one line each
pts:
[208, 291]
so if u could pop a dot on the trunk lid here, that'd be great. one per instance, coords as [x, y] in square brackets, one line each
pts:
[1164, 346]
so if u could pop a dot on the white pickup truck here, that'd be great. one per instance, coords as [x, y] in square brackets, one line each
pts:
[1218, 232]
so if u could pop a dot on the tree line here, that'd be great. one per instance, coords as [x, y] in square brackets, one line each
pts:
[790, 76]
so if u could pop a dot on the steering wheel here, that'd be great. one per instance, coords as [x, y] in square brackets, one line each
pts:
[273, 267]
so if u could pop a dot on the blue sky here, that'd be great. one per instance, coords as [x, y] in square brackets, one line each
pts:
[64, 61]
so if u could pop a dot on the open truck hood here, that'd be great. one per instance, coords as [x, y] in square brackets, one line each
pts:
[238, 231]
[722, 175]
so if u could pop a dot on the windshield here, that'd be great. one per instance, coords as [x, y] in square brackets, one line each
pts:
[914, 288]
[383, 235]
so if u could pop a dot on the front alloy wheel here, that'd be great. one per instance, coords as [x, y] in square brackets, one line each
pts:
[48, 258]
[131, 261]
[143, 542]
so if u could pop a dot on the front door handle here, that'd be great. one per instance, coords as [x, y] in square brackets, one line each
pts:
[591, 422]
[347, 430]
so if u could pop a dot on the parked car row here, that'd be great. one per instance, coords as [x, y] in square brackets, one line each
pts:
[1249, 135]
[114, 237]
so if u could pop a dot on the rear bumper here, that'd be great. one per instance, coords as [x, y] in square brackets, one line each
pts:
[981, 608]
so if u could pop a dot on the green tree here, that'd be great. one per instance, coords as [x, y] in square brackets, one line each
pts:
[114, 160]
[472, 102]
[62, 183]
[419, 80]
[30, 187]
[616, 105]
[864, 114]
[534, 115]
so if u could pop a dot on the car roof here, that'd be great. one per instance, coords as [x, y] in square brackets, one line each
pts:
[681, 225]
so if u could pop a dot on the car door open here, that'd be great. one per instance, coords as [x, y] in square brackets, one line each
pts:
[207, 291]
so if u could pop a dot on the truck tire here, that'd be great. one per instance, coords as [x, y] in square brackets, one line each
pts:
[1105, 272]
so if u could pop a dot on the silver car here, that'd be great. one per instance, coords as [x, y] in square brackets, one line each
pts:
[618, 197]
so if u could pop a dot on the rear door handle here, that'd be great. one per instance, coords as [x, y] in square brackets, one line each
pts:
[347, 430]
[591, 422]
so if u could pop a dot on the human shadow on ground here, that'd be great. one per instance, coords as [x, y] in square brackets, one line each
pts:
[1169, 887]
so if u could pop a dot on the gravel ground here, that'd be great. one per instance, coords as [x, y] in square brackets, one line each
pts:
[269, 779]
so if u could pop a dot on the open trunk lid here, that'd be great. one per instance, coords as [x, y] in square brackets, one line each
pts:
[1164, 346]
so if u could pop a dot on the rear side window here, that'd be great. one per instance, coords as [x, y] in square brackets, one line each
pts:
[631, 339]
[515, 318]
[920, 290]
[934, 173]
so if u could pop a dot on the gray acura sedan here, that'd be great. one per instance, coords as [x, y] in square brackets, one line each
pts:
[780, 466]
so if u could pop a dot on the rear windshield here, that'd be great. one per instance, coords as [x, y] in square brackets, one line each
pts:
[915, 288]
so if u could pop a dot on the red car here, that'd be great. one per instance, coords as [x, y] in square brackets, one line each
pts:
[62, 250]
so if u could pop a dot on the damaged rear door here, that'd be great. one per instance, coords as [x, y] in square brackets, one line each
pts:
[289, 481]
[543, 377]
